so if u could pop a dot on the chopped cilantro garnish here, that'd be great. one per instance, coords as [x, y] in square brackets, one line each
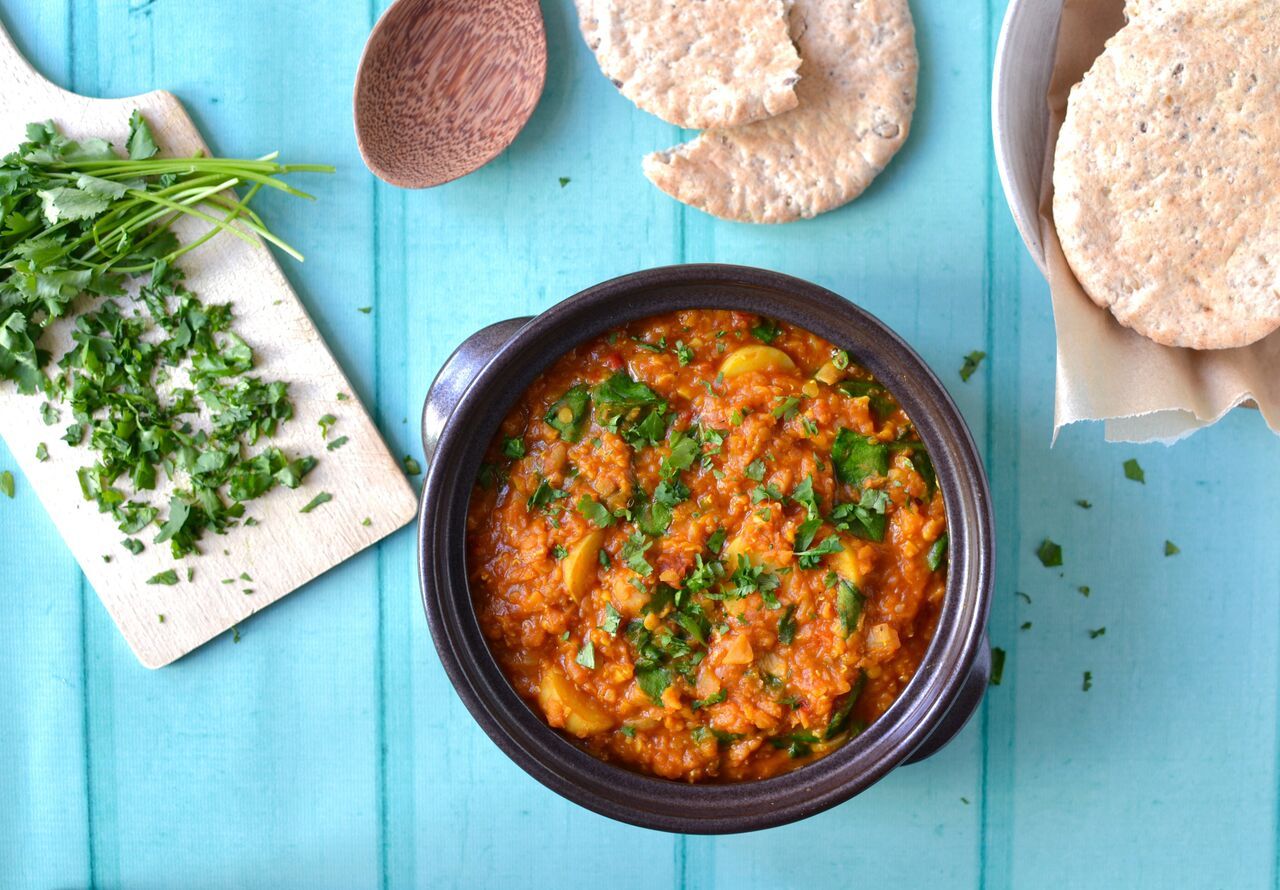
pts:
[765, 493]
[42, 452]
[1132, 470]
[840, 716]
[133, 545]
[1084, 505]
[1023, 596]
[1097, 632]
[49, 414]
[513, 447]
[856, 457]
[716, 540]
[1084, 589]
[849, 602]
[787, 626]
[612, 619]
[937, 554]
[6, 483]
[766, 331]
[811, 557]
[595, 512]
[364, 309]
[568, 414]
[559, 551]
[633, 552]
[411, 466]
[543, 495]
[168, 578]
[683, 353]
[326, 423]
[1087, 683]
[755, 470]
[587, 656]
[628, 731]
[971, 362]
[840, 359]
[337, 443]
[1050, 554]
[1170, 548]
[786, 407]
[713, 699]
[564, 180]
[322, 498]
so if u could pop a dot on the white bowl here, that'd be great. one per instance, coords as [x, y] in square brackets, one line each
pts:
[1020, 111]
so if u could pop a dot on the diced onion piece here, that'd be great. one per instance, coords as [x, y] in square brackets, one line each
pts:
[882, 641]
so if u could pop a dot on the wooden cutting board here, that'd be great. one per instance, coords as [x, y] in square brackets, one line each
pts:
[287, 548]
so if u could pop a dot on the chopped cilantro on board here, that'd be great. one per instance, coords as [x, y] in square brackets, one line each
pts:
[322, 498]
[86, 236]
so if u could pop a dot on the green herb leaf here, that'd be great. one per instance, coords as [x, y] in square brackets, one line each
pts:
[997, 665]
[564, 180]
[1170, 548]
[714, 699]
[167, 578]
[971, 362]
[1087, 683]
[1094, 634]
[568, 414]
[141, 144]
[411, 466]
[612, 619]
[683, 353]
[849, 602]
[6, 483]
[337, 443]
[596, 513]
[1084, 505]
[856, 458]
[840, 716]
[322, 498]
[42, 452]
[937, 554]
[766, 331]
[587, 656]
[513, 447]
[1132, 470]
[1050, 554]
[787, 626]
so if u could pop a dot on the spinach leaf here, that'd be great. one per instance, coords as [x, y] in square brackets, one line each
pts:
[855, 457]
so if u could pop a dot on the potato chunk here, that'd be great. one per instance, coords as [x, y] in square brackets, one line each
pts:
[845, 563]
[566, 707]
[755, 358]
[579, 567]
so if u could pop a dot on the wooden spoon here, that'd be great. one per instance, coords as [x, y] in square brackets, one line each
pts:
[445, 85]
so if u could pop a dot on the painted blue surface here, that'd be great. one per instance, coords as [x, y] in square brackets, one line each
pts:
[327, 749]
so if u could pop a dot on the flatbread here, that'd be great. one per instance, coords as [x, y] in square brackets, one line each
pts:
[1167, 173]
[857, 95]
[696, 63]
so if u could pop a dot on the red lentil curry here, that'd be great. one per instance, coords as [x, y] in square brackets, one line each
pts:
[707, 546]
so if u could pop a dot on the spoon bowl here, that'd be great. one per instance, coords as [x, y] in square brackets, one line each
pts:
[444, 86]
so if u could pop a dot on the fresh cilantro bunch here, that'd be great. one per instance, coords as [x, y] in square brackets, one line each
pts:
[78, 220]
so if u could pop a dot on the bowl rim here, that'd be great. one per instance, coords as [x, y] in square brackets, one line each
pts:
[615, 791]
[1019, 90]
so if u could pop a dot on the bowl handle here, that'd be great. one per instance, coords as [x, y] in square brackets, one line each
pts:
[966, 703]
[457, 373]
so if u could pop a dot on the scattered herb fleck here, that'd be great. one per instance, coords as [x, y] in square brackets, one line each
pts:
[168, 578]
[6, 483]
[1050, 554]
[1084, 505]
[411, 466]
[337, 443]
[997, 665]
[1088, 681]
[1097, 632]
[971, 362]
[1133, 470]
[364, 309]
[42, 452]
[1084, 589]
[564, 180]
[587, 656]
[322, 498]
[1171, 549]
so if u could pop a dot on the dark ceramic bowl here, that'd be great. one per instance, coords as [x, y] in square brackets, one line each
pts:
[469, 398]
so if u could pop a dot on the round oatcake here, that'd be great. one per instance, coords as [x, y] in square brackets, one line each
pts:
[857, 95]
[1167, 172]
[696, 63]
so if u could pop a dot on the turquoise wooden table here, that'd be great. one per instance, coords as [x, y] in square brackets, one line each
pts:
[327, 749]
